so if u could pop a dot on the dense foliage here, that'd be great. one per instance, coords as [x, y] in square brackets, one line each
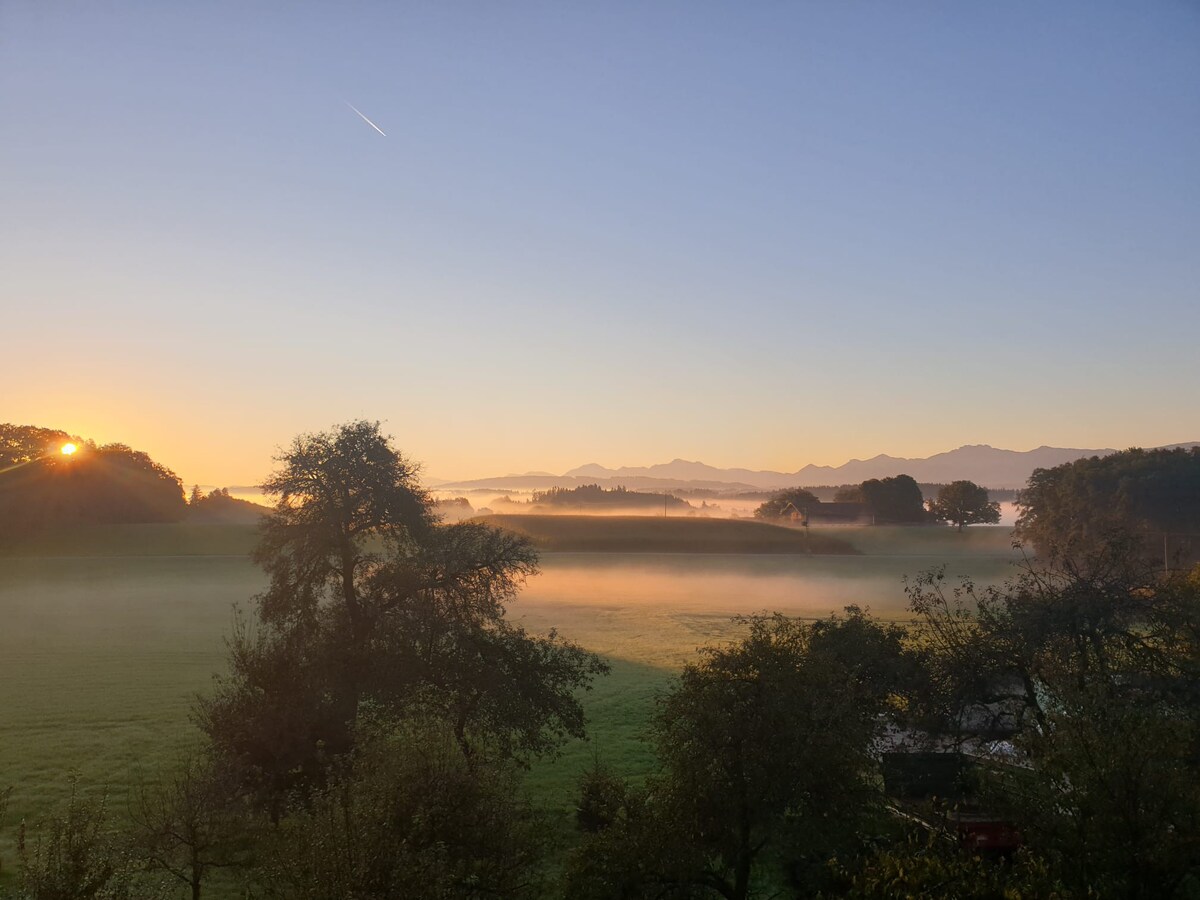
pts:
[190, 821]
[894, 501]
[766, 767]
[1073, 507]
[219, 507]
[1092, 664]
[592, 496]
[409, 820]
[78, 852]
[372, 602]
[112, 484]
[785, 503]
[964, 503]
[25, 443]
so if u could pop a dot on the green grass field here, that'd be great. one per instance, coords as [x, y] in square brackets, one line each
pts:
[106, 634]
[665, 534]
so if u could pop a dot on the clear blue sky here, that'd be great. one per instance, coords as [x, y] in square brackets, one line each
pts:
[759, 234]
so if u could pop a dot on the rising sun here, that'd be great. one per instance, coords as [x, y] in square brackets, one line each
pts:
[68, 449]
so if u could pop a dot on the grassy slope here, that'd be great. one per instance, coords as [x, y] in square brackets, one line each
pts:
[654, 534]
[181, 539]
[106, 633]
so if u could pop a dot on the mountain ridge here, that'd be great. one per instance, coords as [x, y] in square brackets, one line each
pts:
[992, 467]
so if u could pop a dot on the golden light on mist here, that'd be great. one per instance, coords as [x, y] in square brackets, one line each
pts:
[68, 449]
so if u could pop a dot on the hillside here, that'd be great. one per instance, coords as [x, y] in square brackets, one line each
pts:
[48, 479]
[218, 508]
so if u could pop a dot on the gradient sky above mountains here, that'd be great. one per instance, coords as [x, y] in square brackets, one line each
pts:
[760, 235]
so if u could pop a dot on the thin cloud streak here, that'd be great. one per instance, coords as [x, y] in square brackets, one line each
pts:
[365, 119]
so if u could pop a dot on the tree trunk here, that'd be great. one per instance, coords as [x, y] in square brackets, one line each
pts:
[741, 882]
[197, 875]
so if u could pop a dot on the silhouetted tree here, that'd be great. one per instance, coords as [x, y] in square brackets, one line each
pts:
[964, 503]
[784, 502]
[852, 493]
[594, 496]
[220, 507]
[766, 754]
[1093, 660]
[410, 819]
[1073, 507]
[113, 484]
[25, 443]
[371, 600]
[894, 500]
[190, 822]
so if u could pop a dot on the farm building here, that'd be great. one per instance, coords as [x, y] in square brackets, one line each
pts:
[936, 790]
[841, 514]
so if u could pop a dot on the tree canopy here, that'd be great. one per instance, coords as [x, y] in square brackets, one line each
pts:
[1090, 662]
[765, 748]
[24, 443]
[784, 502]
[219, 507]
[595, 496]
[371, 601]
[964, 503]
[411, 819]
[111, 484]
[1073, 507]
[895, 500]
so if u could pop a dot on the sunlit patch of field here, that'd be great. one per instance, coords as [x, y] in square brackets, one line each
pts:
[651, 612]
[664, 534]
[105, 636]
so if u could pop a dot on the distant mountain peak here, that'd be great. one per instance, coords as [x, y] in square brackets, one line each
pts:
[982, 463]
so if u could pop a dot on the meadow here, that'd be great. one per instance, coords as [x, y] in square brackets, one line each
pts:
[565, 532]
[107, 633]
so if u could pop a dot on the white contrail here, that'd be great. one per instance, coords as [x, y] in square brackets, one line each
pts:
[365, 119]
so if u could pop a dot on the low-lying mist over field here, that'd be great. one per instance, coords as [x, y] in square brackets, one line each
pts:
[114, 641]
[482, 502]
[658, 609]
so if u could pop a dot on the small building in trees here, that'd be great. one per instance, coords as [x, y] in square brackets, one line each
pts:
[936, 790]
[844, 513]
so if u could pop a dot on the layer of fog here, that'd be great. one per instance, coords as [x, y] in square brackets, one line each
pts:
[659, 608]
[487, 501]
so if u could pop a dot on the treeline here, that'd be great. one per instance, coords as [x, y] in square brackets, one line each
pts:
[827, 493]
[40, 486]
[219, 507]
[1153, 492]
[895, 500]
[593, 496]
